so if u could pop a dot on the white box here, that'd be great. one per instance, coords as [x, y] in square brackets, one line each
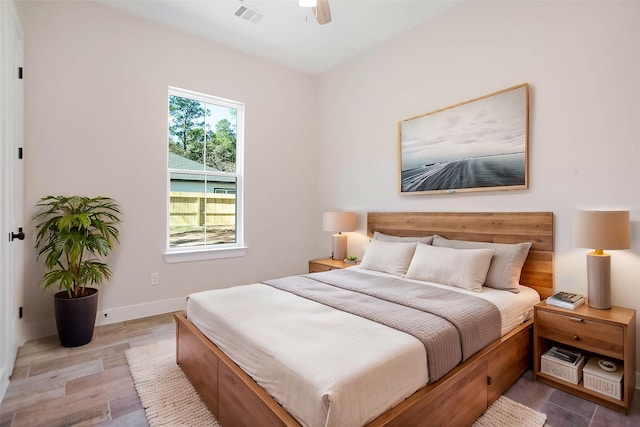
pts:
[601, 381]
[566, 371]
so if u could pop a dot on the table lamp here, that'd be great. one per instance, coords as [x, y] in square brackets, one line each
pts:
[600, 230]
[339, 222]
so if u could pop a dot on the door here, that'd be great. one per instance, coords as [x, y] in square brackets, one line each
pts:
[11, 187]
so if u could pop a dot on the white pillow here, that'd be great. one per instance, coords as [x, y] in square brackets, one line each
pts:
[463, 268]
[388, 238]
[506, 265]
[389, 257]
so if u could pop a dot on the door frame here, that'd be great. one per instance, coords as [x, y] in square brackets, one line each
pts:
[11, 186]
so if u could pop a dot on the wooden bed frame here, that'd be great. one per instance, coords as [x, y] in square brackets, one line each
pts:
[456, 399]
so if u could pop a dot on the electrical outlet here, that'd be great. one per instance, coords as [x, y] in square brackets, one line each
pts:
[155, 279]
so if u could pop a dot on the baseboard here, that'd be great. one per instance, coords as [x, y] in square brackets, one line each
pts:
[4, 382]
[43, 328]
[136, 311]
[37, 329]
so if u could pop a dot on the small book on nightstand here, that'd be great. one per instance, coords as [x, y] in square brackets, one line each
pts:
[564, 355]
[566, 300]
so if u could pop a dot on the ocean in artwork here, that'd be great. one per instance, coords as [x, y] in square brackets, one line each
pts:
[483, 171]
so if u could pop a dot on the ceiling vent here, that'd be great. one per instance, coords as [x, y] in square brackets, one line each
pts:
[249, 13]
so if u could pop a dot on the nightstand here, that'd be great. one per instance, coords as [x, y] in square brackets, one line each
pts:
[607, 334]
[326, 264]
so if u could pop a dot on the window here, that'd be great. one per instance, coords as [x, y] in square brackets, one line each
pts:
[205, 177]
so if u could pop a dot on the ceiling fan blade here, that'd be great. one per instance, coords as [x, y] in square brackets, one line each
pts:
[322, 12]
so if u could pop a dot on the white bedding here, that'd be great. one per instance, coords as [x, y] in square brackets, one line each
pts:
[326, 367]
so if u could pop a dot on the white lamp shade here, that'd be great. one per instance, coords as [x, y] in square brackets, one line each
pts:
[339, 221]
[601, 229]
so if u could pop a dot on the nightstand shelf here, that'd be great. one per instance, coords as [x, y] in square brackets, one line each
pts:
[326, 264]
[608, 334]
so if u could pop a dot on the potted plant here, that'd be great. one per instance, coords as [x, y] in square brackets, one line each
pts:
[72, 232]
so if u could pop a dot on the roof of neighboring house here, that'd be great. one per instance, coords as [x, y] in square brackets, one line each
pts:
[178, 162]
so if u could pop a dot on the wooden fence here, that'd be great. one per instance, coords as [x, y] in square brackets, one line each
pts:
[188, 210]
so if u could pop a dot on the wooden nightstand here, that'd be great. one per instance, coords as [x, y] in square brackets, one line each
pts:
[608, 334]
[326, 264]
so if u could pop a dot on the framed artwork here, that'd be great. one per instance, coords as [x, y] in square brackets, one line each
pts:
[477, 145]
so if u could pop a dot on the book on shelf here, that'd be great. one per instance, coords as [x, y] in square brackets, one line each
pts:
[564, 355]
[566, 300]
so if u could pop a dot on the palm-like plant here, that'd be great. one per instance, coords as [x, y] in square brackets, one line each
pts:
[72, 232]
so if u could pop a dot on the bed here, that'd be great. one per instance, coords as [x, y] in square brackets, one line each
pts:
[457, 397]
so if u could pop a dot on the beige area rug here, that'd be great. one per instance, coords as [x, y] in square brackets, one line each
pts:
[504, 412]
[166, 394]
[169, 398]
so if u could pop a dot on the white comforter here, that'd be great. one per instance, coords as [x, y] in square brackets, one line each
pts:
[326, 367]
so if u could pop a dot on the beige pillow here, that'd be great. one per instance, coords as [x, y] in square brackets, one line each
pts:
[463, 268]
[506, 265]
[388, 257]
[388, 238]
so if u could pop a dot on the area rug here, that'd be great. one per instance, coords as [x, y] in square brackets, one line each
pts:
[166, 394]
[504, 412]
[169, 399]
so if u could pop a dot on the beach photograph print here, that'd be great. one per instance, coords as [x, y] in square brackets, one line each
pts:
[478, 145]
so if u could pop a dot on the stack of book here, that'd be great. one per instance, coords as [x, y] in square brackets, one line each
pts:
[564, 355]
[566, 300]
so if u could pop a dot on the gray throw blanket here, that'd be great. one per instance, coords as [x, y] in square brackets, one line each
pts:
[452, 326]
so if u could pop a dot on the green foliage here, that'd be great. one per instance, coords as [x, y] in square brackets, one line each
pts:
[190, 135]
[221, 154]
[71, 229]
[187, 116]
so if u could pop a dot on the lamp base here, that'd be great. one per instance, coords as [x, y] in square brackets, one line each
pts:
[339, 246]
[599, 280]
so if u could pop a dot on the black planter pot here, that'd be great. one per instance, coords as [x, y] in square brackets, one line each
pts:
[75, 317]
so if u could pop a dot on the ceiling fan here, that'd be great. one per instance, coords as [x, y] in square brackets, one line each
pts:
[320, 10]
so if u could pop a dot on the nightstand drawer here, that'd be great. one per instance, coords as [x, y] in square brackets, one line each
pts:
[589, 335]
[326, 264]
[315, 267]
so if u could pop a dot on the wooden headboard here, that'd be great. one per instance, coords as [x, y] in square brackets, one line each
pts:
[495, 227]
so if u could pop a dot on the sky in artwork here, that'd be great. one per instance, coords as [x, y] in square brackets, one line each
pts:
[486, 127]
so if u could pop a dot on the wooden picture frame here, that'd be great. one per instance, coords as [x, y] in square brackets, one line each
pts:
[477, 145]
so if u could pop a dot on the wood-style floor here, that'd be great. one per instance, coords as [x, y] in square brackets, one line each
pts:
[92, 386]
[83, 386]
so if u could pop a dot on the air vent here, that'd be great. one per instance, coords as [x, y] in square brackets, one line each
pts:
[249, 13]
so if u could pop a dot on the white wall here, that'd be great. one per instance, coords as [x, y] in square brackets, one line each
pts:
[582, 60]
[96, 116]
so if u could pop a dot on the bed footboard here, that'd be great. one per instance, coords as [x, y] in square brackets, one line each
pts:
[462, 395]
[233, 397]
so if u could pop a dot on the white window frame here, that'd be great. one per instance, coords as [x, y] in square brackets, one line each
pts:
[220, 250]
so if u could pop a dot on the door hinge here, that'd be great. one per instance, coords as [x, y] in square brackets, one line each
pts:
[20, 153]
[20, 73]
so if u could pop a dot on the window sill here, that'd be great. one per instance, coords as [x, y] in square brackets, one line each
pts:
[204, 254]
